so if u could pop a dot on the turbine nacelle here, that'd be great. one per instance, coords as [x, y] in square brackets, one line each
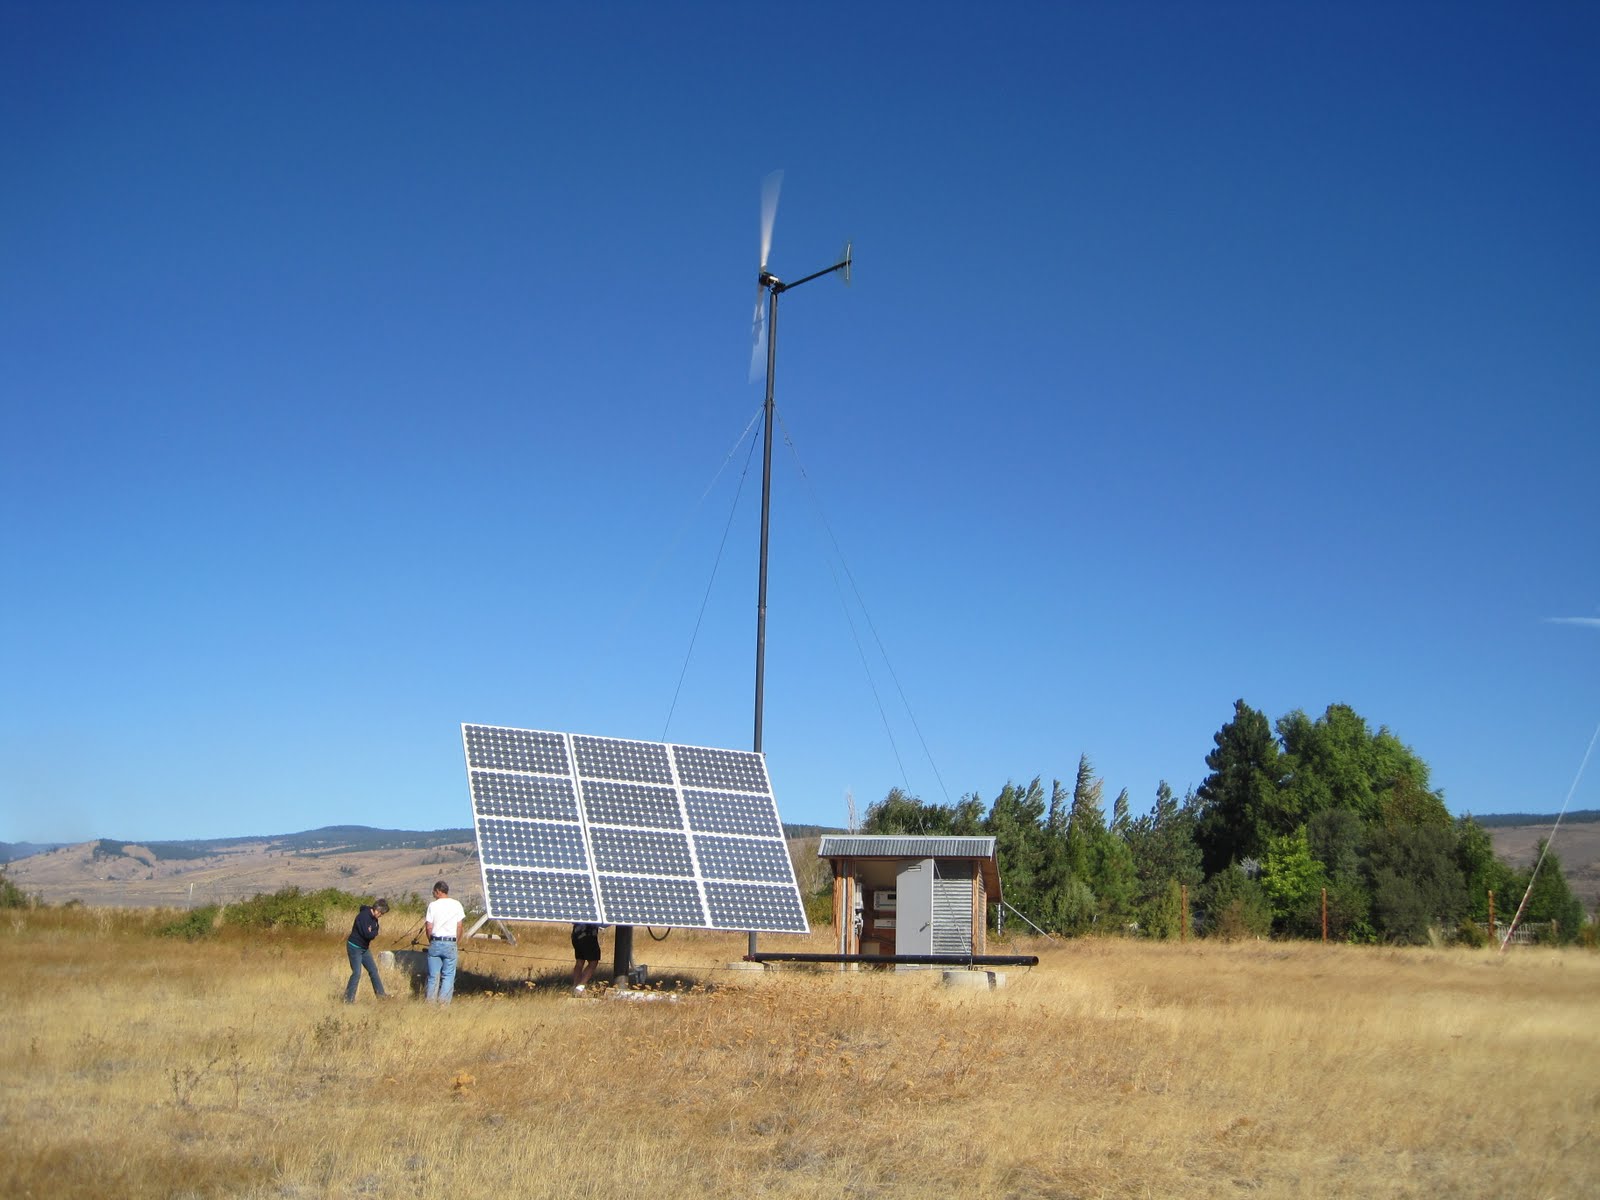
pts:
[768, 284]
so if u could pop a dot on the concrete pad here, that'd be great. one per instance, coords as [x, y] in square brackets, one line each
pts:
[967, 979]
[987, 980]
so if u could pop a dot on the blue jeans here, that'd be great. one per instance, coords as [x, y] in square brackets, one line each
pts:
[360, 958]
[441, 970]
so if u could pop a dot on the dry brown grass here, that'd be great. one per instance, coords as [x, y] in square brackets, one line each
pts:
[140, 1066]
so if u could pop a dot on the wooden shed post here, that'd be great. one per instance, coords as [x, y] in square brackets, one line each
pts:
[980, 910]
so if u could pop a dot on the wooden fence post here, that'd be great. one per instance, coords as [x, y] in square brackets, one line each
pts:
[1491, 916]
[1324, 916]
[1183, 913]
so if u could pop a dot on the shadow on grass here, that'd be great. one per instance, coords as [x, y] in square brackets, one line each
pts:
[553, 981]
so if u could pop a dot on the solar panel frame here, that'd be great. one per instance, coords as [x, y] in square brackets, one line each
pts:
[574, 827]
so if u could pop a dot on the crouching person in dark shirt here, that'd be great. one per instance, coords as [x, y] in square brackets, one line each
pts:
[586, 954]
[359, 946]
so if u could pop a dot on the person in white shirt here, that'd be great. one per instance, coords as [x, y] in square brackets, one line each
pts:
[444, 922]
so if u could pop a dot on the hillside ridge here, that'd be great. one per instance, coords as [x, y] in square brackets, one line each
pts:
[400, 862]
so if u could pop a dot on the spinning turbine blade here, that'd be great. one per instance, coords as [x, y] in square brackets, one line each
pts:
[758, 336]
[769, 212]
[770, 187]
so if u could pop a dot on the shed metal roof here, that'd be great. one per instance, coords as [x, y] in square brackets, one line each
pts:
[896, 845]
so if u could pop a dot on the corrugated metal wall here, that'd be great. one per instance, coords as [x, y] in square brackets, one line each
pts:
[952, 907]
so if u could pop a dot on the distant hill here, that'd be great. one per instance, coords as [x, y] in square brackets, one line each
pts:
[355, 858]
[330, 839]
[1587, 816]
[398, 862]
[11, 851]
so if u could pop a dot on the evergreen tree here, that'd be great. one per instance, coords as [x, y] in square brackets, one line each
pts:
[1120, 820]
[968, 817]
[1165, 859]
[1115, 883]
[1552, 901]
[1239, 803]
[1015, 821]
[1087, 823]
[1060, 809]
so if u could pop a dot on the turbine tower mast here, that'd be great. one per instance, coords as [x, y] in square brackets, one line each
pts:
[765, 330]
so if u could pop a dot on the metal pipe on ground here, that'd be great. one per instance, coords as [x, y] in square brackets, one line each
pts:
[910, 960]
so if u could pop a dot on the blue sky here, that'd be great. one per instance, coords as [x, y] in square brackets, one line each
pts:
[372, 368]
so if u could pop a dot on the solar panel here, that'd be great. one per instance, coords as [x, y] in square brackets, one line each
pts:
[578, 828]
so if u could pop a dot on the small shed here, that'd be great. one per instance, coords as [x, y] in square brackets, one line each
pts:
[903, 894]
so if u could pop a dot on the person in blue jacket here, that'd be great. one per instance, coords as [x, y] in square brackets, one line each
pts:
[359, 945]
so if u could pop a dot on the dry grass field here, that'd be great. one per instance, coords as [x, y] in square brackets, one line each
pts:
[137, 1066]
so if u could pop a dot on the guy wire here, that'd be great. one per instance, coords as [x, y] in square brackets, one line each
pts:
[1534, 874]
[865, 612]
[706, 599]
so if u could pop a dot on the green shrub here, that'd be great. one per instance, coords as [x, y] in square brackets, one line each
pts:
[1236, 906]
[819, 909]
[196, 923]
[11, 896]
[289, 908]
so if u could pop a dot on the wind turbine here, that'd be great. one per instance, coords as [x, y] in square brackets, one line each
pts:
[764, 334]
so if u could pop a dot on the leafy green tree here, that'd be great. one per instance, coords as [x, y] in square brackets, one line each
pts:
[1290, 875]
[1484, 872]
[1415, 881]
[900, 812]
[1407, 802]
[1336, 761]
[1335, 837]
[1239, 805]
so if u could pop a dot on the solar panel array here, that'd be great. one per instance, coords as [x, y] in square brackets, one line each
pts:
[578, 828]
